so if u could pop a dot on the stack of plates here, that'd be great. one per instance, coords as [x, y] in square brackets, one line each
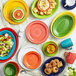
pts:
[24, 51]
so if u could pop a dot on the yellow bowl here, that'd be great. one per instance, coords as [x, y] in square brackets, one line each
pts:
[10, 4]
[64, 13]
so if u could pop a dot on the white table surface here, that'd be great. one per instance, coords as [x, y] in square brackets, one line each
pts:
[23, 39]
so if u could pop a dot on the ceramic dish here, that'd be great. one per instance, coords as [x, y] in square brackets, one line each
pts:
[68, 7]
[60, 69]
[14, 46]
[17, 42]
[27, 49]
[15, 64]
[66, 19]
[45, 46]
[45, 16]
[10, 4]
[32, 60]
[37, 32]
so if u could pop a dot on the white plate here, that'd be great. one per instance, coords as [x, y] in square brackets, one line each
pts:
[27, 49]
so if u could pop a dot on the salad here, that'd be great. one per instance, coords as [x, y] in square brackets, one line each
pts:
[45, 7]
[6, 44]
[71, 71]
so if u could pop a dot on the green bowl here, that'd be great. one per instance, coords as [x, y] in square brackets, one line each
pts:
[45, 16]
[45, 46]
[10, 70]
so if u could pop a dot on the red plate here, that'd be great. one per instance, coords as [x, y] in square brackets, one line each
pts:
[37, 32]
[17, 43]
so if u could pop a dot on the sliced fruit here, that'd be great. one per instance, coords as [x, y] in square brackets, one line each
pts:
[43, 5]
[18, 14]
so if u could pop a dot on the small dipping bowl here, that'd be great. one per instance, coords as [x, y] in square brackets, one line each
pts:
[51, 48]
[11, 69]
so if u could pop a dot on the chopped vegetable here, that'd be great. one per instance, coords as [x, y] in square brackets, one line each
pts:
[6, 44]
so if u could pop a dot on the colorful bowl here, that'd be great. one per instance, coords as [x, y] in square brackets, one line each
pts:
[11, 66]
[45, 50]
[17, 43]
[14, 46]
[51, 48]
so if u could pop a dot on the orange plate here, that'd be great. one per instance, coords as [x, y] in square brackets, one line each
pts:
[32, 60]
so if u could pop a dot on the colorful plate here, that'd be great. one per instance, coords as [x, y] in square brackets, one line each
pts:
[17, 42]
[60, 69]
[45, 16]
[63, 24]
[37, 32]
[27, 49]
[32, 60]
[12, 4]
[45, 46]
[14, 46]
[68, 7]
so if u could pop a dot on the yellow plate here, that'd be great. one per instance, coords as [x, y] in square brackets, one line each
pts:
[10, 4]
[64, 13]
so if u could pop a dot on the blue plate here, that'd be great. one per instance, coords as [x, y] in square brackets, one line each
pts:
[68, 7]
[53, 74]
[14, 46]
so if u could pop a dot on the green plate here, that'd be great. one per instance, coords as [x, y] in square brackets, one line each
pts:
[44, 48]
[63, 25]
[10, 70]
[45, 16]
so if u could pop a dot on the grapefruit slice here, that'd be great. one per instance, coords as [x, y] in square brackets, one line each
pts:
[18, 14]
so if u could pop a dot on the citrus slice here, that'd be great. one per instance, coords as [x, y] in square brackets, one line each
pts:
[43, 5]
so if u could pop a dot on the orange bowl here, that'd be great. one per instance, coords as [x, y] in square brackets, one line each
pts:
[32, 60]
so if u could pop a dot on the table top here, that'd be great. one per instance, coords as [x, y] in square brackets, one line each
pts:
[23, 40]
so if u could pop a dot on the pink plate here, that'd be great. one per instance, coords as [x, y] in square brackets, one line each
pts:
[37, 32]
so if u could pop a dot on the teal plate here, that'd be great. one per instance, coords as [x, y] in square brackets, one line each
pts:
[63, 25]
[45, 16]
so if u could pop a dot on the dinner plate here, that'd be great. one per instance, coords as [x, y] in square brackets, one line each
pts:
[17, 42]
[10, 4]
[68, 7]
[45, 16]
[37, 32]
[27, 49]
[32, 60]
[63, 24]
[60, 69]
[45, 46]
[14, 46]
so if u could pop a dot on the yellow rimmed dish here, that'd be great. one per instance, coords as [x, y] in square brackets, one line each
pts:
[10, 4]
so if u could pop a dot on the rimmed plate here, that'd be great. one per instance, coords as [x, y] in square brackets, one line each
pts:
[14, 46]
[17, 43]
[37, 32]
[45, 16]
[60, 69]
[10, 4]
[45, 46]
[27, 49]
[63, 24]
[32, 60]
